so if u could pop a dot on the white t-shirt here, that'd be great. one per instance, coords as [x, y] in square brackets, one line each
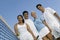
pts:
[52, 21]
[32, 26]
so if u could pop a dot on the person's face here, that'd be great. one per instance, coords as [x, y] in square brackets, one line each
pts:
[20, 19]
[33, 14]
[26, 15]
[40, 8]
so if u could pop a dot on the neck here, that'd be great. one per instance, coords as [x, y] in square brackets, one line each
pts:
[20, 22]
[35, 18]
[43, 10]
[26, 18]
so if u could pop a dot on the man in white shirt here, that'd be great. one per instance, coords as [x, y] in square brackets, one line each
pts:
[30, 23]
[51, 19]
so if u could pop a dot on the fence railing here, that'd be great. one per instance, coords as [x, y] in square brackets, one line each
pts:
[5, 32]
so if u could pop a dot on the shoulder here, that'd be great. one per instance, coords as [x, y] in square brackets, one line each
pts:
[29, 19]
[48, 8]
[41, 18]
[27, 25]
[16, 25]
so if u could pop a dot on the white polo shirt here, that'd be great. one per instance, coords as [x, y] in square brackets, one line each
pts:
[32, 26]
[52, 21]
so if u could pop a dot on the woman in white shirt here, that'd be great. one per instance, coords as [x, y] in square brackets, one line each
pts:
[22, 29]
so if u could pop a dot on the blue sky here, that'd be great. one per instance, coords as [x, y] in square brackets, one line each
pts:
[9, 9]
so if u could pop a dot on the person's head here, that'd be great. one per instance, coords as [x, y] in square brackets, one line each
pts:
[25, 14]
[33, 14]
[40, 7]
[20, 18]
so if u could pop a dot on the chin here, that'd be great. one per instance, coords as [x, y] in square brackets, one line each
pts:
[26, 18]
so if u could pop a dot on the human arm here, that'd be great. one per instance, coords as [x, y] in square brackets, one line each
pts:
[44, 22]
[57, 16]
[54, 13]
[49, 35]
[16, 30]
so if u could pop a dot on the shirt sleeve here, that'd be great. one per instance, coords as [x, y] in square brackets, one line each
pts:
[41, 18]
[52, 10]
[57, 29]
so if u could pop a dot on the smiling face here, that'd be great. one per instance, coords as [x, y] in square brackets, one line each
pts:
[19, 18]
[26, 15]
[40, 8]
[33, 14]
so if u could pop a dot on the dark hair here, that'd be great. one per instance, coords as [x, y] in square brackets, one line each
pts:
[25, 12]
[22, 18]
[38, 5]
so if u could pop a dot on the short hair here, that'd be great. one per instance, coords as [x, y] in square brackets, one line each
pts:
[22, 18]
[25, 12]
[38, 5]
